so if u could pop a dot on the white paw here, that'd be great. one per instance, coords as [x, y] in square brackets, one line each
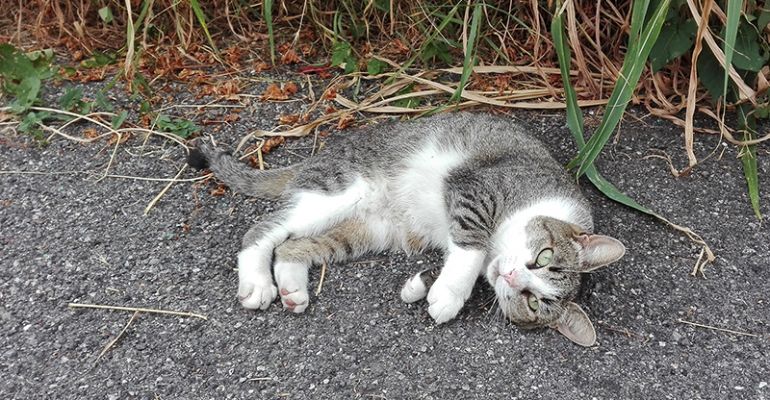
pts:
[292, 279]
[444, 303]
[255, 283]
[296, 301]
[414, 289]
[256, 294]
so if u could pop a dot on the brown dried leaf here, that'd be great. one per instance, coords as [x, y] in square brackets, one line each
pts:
[186, 73]
[272, 143]
[90, 133]
[290, 57]
[220, 190]
[261, 66]
[288, 119]
[330, 94]
[253, 162]
[123, 137]
[290, 88]
[345, 121]
[307, 50]
[273, 92]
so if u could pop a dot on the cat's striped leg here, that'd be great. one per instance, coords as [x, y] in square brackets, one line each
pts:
[306, 214]
[344, 241]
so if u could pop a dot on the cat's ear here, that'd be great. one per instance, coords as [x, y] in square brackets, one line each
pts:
[598, 250]
[576, 326]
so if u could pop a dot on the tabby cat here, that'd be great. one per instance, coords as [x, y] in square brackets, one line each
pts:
[474, 186]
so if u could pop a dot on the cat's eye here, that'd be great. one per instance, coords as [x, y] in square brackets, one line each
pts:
[544, 258]
[533, 302]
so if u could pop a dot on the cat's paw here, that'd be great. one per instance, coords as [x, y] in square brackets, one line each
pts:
[256, 294]
[414, 289]
[444, 303]
[255, 282]
[296, 301]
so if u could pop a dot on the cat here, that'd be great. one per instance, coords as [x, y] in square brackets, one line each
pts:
[472, 185]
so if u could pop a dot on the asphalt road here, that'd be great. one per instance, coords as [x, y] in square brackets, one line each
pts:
[69, 237]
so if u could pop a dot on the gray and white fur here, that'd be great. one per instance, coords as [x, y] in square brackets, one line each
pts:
[474, 186]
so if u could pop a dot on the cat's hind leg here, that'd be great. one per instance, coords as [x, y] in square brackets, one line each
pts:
[346, 240]
[306, 214]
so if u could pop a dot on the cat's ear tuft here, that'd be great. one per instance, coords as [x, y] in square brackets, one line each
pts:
[598, 250]
[576, 326]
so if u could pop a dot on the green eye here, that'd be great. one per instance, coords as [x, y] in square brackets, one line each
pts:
[533, 302]
[544, 258]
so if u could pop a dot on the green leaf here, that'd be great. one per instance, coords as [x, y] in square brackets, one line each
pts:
[180, 127]
[676, 38]
[470, 57]
[26, 94]
[436, 48]
[118, 120]
[340, 52]
[375, 66]
[763, 19]
[382, 5]
[749, 55]
[71, 98]
[98, 60]
[411, 102]
[711, 74]
[105, 13]
[101, 102]
[13, 64]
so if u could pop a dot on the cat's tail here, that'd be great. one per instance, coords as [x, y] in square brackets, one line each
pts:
[239, 176]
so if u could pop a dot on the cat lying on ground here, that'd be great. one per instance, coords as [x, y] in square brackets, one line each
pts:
[474, 186]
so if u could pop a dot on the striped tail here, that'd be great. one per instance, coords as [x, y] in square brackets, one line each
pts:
[238, 176]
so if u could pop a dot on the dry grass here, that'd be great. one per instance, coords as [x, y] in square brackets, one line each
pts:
[513, 35]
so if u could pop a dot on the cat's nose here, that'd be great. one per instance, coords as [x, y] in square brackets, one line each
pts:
[510, 278]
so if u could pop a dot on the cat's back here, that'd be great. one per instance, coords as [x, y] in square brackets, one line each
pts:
[391, 143]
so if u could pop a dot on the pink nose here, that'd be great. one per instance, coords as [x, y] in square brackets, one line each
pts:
[510, 278]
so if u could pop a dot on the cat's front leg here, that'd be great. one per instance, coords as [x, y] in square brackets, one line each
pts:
[255, 281]
[455, 282]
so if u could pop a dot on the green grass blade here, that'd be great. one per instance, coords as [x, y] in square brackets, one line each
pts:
[731, 33]
[469, 51]
[267, 13]
[747, 123]
[444, 22]
[574, 116]
[576, 126]
[638, 14]
[198, 11]
[633, 65]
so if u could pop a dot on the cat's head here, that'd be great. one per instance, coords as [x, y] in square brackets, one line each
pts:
[538, 274]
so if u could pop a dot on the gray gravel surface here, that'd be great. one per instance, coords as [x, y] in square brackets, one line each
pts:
[69, 237]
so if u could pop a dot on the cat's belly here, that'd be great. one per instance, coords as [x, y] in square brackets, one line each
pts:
[418, 205]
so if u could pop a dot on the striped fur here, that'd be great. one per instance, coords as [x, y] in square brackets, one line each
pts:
[474, 186]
